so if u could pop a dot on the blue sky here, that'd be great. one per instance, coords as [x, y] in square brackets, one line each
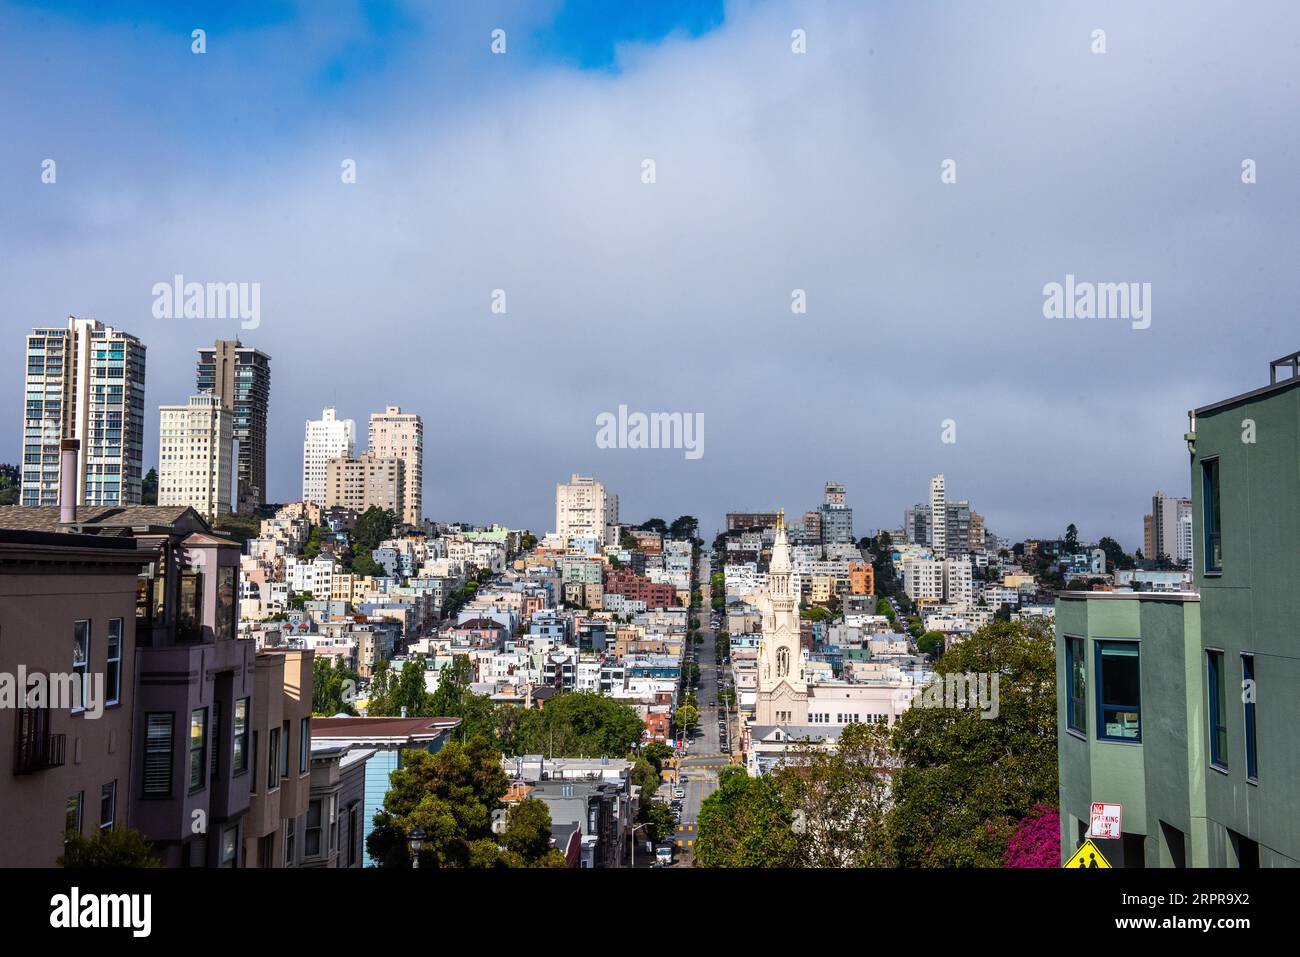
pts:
[775, 172]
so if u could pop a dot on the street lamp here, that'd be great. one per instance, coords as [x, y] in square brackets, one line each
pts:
[416, 840]
[634, 830]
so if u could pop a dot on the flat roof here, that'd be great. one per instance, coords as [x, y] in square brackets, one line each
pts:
[1139, 595]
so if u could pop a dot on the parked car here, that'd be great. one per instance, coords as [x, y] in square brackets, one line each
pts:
[679, 793]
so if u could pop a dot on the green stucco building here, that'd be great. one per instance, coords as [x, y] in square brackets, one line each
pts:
[1185, 707]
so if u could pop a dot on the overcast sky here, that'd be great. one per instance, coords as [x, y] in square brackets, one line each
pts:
[775, 171]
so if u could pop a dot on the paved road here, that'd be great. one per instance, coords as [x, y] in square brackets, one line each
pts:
[705, 756]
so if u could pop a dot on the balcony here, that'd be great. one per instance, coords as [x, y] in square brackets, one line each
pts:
[36, 749]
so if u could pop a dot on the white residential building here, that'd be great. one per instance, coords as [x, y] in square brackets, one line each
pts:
[958, 583]
[328, 437]
[939, 507]
[923, 579]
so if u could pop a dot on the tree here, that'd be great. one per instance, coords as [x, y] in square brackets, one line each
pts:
[365, 565]
[656, 752]
[373, 526]
[660, 818]
[528, 832]
[577, 724]
[684, 526]
[931, 643]
[645, 776]
[1071, 539]
[654, 525]
[841, 797]
[688, 716]
[528, 542]
[312, 548]
[1115, 556]
[149, 488]
[390, 693]
[449, 795]
[455, 699]
[333, 688]
[966, 782]
[744, 823]
[1037, 840]
[115, 848]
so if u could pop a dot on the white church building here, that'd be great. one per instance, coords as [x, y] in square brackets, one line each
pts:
[795, 703]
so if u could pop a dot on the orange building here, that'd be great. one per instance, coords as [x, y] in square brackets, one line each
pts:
[862, 578]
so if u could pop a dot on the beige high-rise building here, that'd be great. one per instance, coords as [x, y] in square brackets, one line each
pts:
[395, 434]
[194, 455]
[584, 508]
[365, 481]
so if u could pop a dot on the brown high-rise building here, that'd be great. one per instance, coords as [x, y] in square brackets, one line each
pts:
[241, 377]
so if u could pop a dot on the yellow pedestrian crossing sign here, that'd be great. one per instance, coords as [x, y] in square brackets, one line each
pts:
[1087, 855]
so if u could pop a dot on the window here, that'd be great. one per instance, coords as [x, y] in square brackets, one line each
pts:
[229, 846]
[1248, 714]
[290, 833]
[311, 845]
[304, 744]
[72, 815]
[1211, 515]
[189, 623]
[113, 668]
[198, 744]
[285, 738]
[81, 663]
[158, 754]
[354, 834]
[1218, 722]
[1119, 691]
[107, 805]
[239, 756]
[227, 607]
[273, 765]
[252, 784]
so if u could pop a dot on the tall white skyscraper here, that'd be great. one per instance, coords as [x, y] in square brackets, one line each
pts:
[328, 437]
[583, 507]
[194, 455]
[395, 434]
[84, 382]
[939, 524]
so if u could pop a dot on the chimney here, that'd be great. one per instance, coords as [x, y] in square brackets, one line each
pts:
[69, 452]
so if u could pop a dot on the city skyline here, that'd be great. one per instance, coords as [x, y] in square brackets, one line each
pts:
[525, 174]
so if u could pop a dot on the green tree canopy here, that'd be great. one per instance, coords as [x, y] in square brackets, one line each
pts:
[966, 781]
[744, 823]
[373, 526]
[117, 847]
[449, 795]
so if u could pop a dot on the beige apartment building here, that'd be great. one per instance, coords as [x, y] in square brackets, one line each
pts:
[395, 434]
[194, 455]
[67, 610]
[281, 759]
[583, 508]
[365, 481]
